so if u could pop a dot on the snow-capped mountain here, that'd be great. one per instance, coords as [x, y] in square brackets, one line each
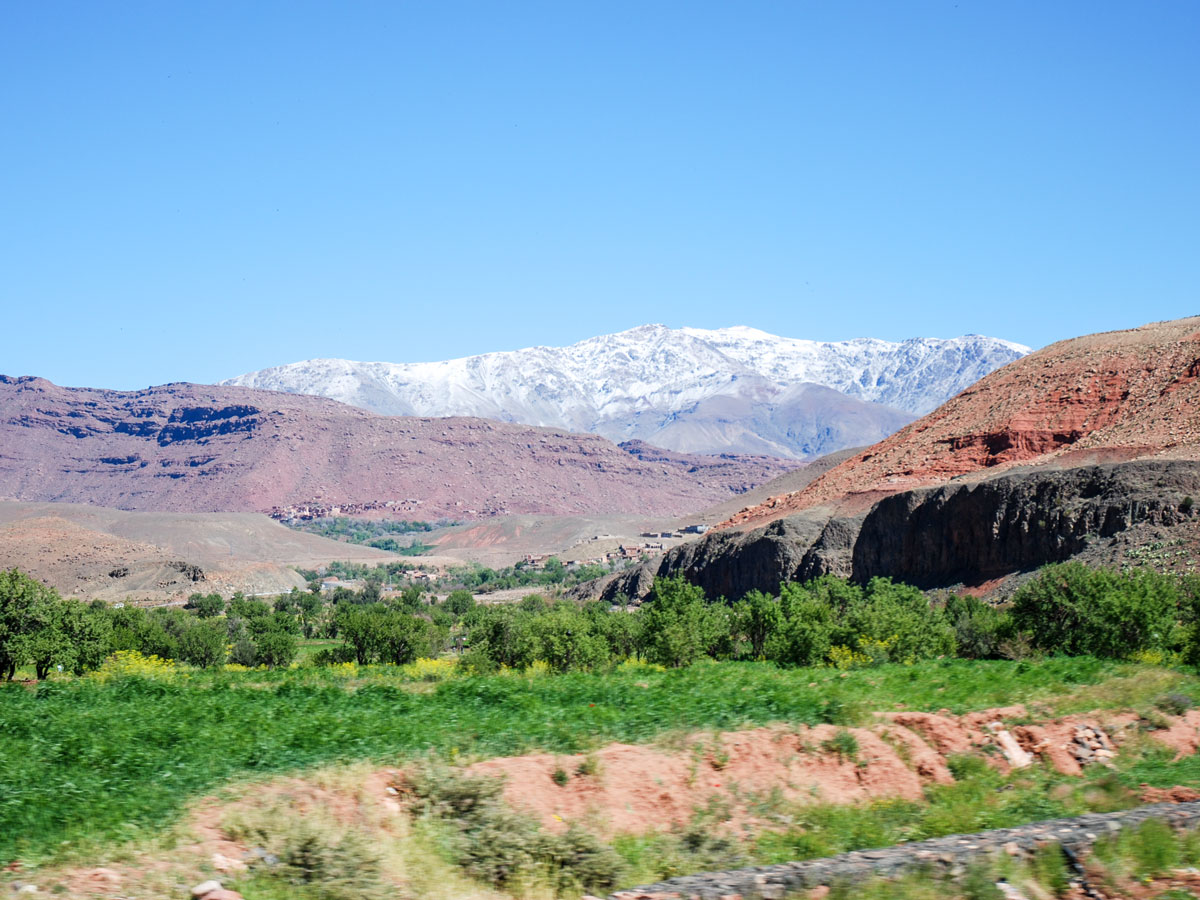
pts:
[726, 390]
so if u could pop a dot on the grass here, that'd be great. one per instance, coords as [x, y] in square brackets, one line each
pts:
[85, 763]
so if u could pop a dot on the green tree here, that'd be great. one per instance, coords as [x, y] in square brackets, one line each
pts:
[26, 608]
[358, 628]
[757, 616]
[678, 627]
[89, 634]
[805, 635]
[1079, 611]
[567, 640]
[203, 644]
[276, 648]
[206, 605]
[899, 617]
[401, 637]
[459, 603]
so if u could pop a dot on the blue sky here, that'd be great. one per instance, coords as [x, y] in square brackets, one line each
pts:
[189, 191]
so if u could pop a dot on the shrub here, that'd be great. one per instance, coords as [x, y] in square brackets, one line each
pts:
[1074, 610]
[490, 841]
[328, 861]
[678, 624]
[842, 743]
[1175, 703]
[980, 629]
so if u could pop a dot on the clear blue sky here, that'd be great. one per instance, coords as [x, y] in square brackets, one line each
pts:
[193, 190]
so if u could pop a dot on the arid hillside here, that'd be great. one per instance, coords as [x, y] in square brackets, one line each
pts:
[183, 447]
[94, 552]
[1106, 397]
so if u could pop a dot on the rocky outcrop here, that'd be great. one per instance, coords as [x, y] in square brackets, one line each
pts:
[972, 533]
[961, 533]
[729, 564]
[951, 855]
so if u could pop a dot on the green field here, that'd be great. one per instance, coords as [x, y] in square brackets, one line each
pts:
[86, 762]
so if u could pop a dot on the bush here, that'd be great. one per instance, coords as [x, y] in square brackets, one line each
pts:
[1074, 610]
[678, 625]
[492, 842]
[843, 744]
[981, 631]
[276, 648]
[326, 860]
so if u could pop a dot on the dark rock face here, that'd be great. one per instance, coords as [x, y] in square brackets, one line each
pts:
[935, 537]
[730, 564]
[972, 533]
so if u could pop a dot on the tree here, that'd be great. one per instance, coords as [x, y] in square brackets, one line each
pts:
[567, 640]
[757, 616]
[203, 644]
[356, 625]
[26, 608]
[1079, 611]
[248, 607]
[276, 648]
[88, 632]
[677, 627]
[401, 637]
[897, 617]
[806, 633]
[459, 603]
[310, 607]
[206, 605]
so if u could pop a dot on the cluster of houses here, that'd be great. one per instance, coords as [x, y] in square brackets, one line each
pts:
[317, 509]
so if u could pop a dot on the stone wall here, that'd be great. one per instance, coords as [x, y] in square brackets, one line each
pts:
[950, 855]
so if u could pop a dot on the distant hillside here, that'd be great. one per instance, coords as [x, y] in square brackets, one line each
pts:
[194, 448]
[734, 390]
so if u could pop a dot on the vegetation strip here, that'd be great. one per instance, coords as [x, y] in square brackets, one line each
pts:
[952, 854]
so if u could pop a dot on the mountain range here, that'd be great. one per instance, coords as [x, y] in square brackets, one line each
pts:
[199, 448]
[730, 390]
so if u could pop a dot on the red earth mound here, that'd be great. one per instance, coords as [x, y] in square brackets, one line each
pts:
[1100, 398]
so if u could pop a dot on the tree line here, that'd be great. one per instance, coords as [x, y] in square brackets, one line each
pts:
[1067, 609]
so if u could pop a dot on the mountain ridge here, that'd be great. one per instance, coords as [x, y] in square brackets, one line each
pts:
[736, 389]
[201, 448]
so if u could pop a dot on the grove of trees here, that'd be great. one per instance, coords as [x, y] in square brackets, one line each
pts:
[1067, 609]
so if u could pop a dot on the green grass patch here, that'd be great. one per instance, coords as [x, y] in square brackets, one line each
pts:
[84, 762]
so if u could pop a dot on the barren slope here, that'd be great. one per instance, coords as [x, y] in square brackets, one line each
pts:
[90, 551]
[196, 448]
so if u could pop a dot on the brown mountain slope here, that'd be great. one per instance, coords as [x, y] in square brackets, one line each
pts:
[194, 448]
[1105, 397]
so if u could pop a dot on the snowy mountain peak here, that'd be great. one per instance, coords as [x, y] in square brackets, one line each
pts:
[730, 389]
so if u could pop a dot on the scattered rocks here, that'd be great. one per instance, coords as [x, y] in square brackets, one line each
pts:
[223, 863]
[1017, 758]
[952, 854]
[212, 890]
